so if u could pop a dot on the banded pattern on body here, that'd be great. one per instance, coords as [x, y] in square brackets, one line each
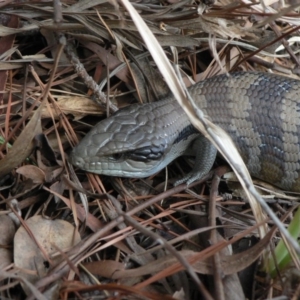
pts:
[260, 112]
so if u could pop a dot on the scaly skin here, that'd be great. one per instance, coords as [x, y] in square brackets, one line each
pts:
[260, 111]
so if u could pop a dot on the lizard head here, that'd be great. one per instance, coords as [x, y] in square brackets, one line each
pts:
[130, 143]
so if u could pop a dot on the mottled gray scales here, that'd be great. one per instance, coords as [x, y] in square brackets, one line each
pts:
[230, 107]
[264, 123]
[290, 121]
[261, 112]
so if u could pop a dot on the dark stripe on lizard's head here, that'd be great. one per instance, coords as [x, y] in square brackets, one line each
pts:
[185, 133]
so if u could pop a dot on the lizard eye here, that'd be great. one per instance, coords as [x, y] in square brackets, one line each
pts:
[117, 156]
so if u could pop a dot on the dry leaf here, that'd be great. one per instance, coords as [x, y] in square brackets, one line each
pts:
[7, 232]
[50, 235]
[111, 61]
[34, 173]
[7, 43]
[79, 107]
[179, 295]
[105, 268]
[23, 145]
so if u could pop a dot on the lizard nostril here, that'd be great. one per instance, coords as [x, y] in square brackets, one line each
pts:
[75, 160]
